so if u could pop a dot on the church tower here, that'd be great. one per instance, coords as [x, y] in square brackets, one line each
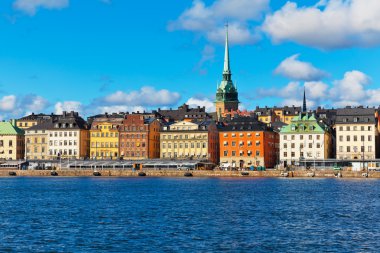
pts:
[226, 95]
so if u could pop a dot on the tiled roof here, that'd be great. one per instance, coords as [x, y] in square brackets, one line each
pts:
[356, 115]
[245, 124]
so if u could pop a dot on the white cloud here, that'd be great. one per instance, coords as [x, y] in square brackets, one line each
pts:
[146, 96]
[34, 103]
[209, 20]
[8, 103]
[31, 6]
[353, 89]
[194, 102]
[330, 24]
[68, 106]
[295, 69]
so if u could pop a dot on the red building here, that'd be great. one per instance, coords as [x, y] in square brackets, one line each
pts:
[139, 137]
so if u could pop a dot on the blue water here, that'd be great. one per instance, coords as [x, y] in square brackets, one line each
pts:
[189, 215]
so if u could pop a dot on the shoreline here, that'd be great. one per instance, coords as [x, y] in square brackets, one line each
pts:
[196, 173]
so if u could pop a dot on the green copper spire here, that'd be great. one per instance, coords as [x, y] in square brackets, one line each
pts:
[226, 69]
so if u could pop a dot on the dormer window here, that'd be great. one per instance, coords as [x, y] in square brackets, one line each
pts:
[356, 119]
[345, 120]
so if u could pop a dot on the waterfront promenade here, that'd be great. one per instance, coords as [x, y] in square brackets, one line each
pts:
[195, 173]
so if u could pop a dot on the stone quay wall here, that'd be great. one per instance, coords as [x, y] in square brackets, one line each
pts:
[198, 173]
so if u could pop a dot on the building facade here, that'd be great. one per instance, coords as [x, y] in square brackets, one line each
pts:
[104, 138]
[140, 137]
[305, 138]
[246, 142]
[190, 140]
[227, 98]
[36, 142]
[356, 133]
[12, 141]
[68, 137]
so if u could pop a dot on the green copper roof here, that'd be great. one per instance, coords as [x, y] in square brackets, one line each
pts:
[304, 123]
[6, 128]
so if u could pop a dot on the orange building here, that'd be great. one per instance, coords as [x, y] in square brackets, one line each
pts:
[139, 137]
[246, 142]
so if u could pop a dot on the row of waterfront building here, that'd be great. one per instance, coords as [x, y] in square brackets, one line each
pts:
[229, 137]
[237, 139]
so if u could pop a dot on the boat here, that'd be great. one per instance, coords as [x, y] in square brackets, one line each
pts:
[12, 173]
[245, 173]
[97, 173]
[284, 174]
[188, 174]
[54, 173]
[142, 174]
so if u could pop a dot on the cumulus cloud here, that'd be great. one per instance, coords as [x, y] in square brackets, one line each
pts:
[146, 96]
[353, 89]
[30, 7]
[34, 103]
[209, 20]
[8, 103]
[295, 69]
[206, 102]
[330, 24]
[68, 106]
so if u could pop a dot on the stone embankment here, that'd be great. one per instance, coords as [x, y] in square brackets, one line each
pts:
[200, 173]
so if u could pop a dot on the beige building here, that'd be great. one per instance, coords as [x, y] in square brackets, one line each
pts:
[12, 141]
[356, 133]
[36, 143]
[190, 140]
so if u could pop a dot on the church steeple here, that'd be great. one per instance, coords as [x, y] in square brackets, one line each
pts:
[227, 98]
[304, 109]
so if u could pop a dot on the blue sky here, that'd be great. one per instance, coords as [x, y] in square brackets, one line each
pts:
[97, 55]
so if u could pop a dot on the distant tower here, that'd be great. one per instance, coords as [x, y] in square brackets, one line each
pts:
[304, 109]
[226, 95]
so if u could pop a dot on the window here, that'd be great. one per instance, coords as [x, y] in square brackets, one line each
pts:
[318, 137]
[369, 138]
[301, 137]
[369, 128]
[341, 128]
[362, 138]
[340, 138]
[285, 154]
[362, 149]
[348, 149]
[233, 144]
[310, 145]
[369, 148]
[355, 138]
[348, 138]
[225, 153]
[285, 137]
[293, 145]
[310, 137]
[233, 153]
[285, 145]
[348, 128]
[293, 154]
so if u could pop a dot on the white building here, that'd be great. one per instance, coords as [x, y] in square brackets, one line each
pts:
[304, 139]
[356, 133]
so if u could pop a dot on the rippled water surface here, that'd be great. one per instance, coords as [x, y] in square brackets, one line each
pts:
[189, 215]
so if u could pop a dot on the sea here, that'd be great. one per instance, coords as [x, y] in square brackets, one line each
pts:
[189, 215]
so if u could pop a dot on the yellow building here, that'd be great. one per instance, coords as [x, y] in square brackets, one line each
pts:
[104, 138]
[12, 141]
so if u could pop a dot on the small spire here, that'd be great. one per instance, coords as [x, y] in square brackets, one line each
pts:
[304, 109]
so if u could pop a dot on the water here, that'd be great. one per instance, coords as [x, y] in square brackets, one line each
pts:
[189, 215]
